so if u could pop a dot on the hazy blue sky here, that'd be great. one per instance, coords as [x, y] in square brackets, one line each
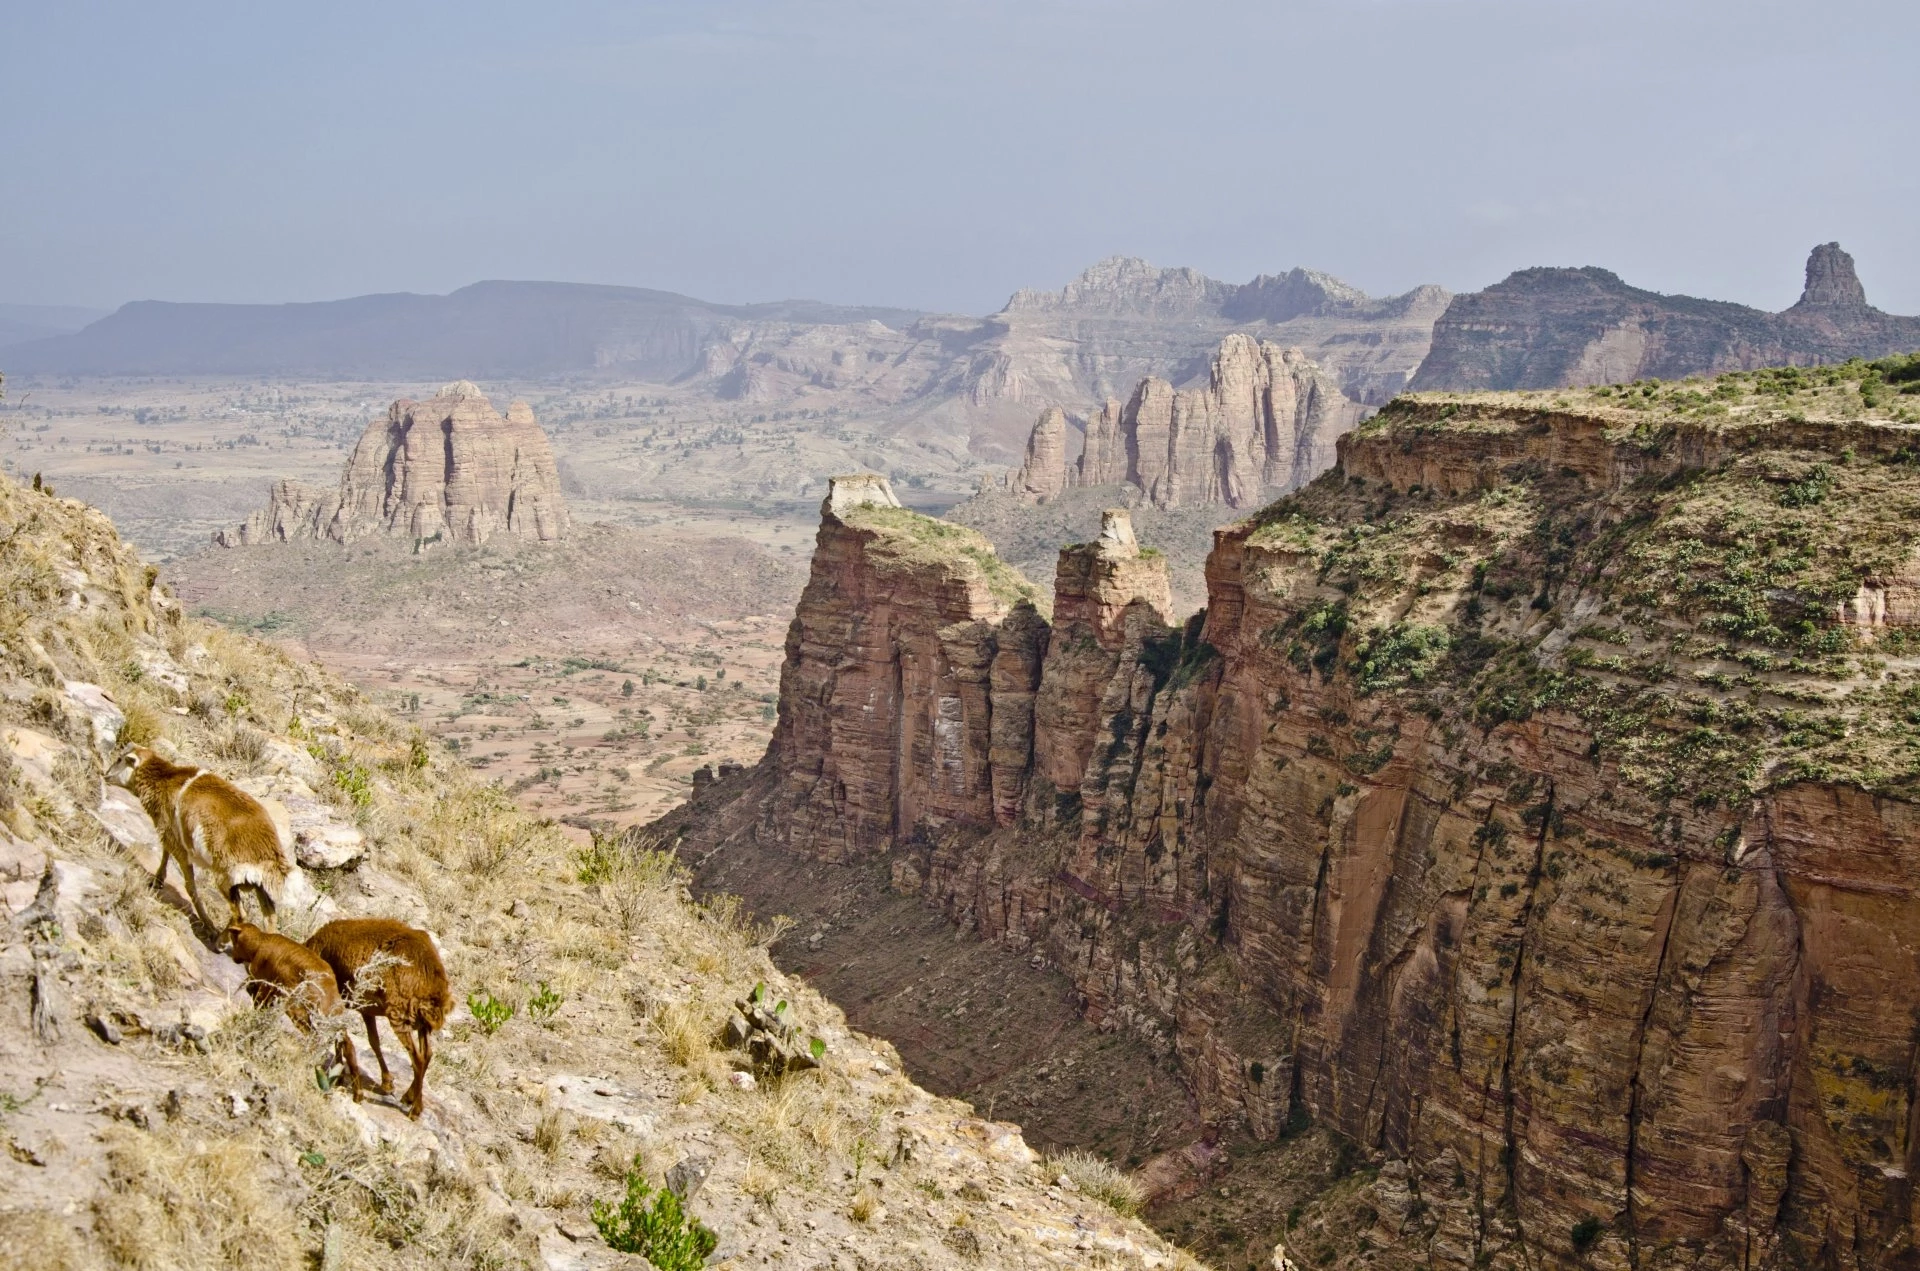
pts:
[938, 155]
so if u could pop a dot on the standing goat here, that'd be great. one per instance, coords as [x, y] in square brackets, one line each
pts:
[281, 968]
[207, 825]
[410, 989]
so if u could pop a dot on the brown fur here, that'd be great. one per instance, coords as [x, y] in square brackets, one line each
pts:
[207, 825]
[412, 993]
[280, 968]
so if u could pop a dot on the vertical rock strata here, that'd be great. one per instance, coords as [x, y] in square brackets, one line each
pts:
[1265, 422]
[451, 468]
[1528, 806]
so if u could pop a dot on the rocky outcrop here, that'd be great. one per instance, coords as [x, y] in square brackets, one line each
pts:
[1264, 423]
[1485, 817]
[1553, 328]
[450, 469]
[1044, 474]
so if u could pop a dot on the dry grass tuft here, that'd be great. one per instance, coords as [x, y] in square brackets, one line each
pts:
[688, 1033]
[551, 1131]
[142, 727]
[866, 1205]
[1100, 1179]
[241, 743]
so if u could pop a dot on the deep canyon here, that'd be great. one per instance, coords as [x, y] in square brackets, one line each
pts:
[1530, 809]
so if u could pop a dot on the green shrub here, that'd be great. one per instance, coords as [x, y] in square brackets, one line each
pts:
[1585, 1232]
[489, 1011]
[1810, 491]
[1402, 654]
[661, 1231]
[544, 1005]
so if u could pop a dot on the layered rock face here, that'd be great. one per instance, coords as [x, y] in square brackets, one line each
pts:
[1265, 422]
[1521, 808]
[447, 469]
[1550, 328]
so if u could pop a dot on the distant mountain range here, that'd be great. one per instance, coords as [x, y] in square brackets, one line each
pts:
[982, 379]
[494, 329]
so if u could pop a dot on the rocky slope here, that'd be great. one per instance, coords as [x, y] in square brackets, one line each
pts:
[449, 469]
[1547, 328]
[1531, 808]
[153, 1118]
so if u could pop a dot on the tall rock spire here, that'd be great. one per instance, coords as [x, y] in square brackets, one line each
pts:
[1831, 281]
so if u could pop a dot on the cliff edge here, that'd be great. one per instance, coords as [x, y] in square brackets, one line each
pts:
[1533, 807]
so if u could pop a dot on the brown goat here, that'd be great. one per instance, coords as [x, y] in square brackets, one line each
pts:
[411, 990]
[207, 825]
[281, 968]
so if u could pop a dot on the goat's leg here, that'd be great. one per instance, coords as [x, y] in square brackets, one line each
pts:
[373, 1036]
[260, 894]
[415, 1040]
[352, 1063]
[199, 905]
[160, 875]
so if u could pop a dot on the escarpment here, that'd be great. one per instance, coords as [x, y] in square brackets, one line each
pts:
[449, 469]
[1533, 806]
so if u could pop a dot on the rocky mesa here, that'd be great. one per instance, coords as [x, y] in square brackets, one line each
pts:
[448, 469]
[1533, 807]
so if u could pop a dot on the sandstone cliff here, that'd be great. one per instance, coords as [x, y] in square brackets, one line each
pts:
[1547, 328]
[451, 468]
[1533, 805]
[1265, 422]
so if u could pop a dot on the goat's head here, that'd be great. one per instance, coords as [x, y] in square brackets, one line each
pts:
[120, 773]
[241, 941]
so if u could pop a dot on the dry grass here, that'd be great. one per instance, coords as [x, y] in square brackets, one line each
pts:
[176, 1201]
[866, 1205]
[1100, 1179]
[688, 1033]
[34, 1241]
[143, 726]
[551, 1131]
